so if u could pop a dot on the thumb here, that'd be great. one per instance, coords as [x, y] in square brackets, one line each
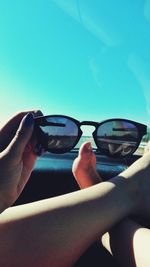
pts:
[22, 137]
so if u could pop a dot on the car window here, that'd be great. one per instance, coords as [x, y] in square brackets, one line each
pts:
[86, 59]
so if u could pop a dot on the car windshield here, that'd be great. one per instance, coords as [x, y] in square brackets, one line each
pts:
[86, 59]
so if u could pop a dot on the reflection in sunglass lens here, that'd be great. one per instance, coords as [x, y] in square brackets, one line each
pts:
[59, 134]
[117, 138]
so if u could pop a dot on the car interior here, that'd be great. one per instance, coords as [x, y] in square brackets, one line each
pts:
[52, 176]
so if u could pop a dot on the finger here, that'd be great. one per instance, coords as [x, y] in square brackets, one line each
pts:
[17, 146]
[8, 131]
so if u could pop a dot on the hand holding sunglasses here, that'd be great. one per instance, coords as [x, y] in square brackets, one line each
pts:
[114, 137]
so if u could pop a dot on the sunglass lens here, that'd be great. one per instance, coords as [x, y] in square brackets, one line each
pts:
[117, 137]
[59, 134]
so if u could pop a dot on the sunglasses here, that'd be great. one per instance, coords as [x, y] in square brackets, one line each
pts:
[114, 137]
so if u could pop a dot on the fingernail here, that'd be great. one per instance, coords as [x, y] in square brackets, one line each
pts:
[28, 120]
[38, 113]
[89, 147]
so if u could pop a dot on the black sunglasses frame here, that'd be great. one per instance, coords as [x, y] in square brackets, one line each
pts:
[41, 121]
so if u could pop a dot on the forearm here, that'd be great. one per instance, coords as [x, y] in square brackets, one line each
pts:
[63, 227]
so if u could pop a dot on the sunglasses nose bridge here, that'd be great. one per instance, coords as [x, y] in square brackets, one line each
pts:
[89, 123]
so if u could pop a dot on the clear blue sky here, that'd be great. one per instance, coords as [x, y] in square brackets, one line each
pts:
[89, 59]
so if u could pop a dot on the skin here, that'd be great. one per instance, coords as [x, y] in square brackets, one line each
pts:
[84, 167]
[128, 241]
[55, 232]
[16, 157]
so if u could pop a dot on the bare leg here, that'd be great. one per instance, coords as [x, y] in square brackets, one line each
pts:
[126, 239]
[84, 167]
[55, 232]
